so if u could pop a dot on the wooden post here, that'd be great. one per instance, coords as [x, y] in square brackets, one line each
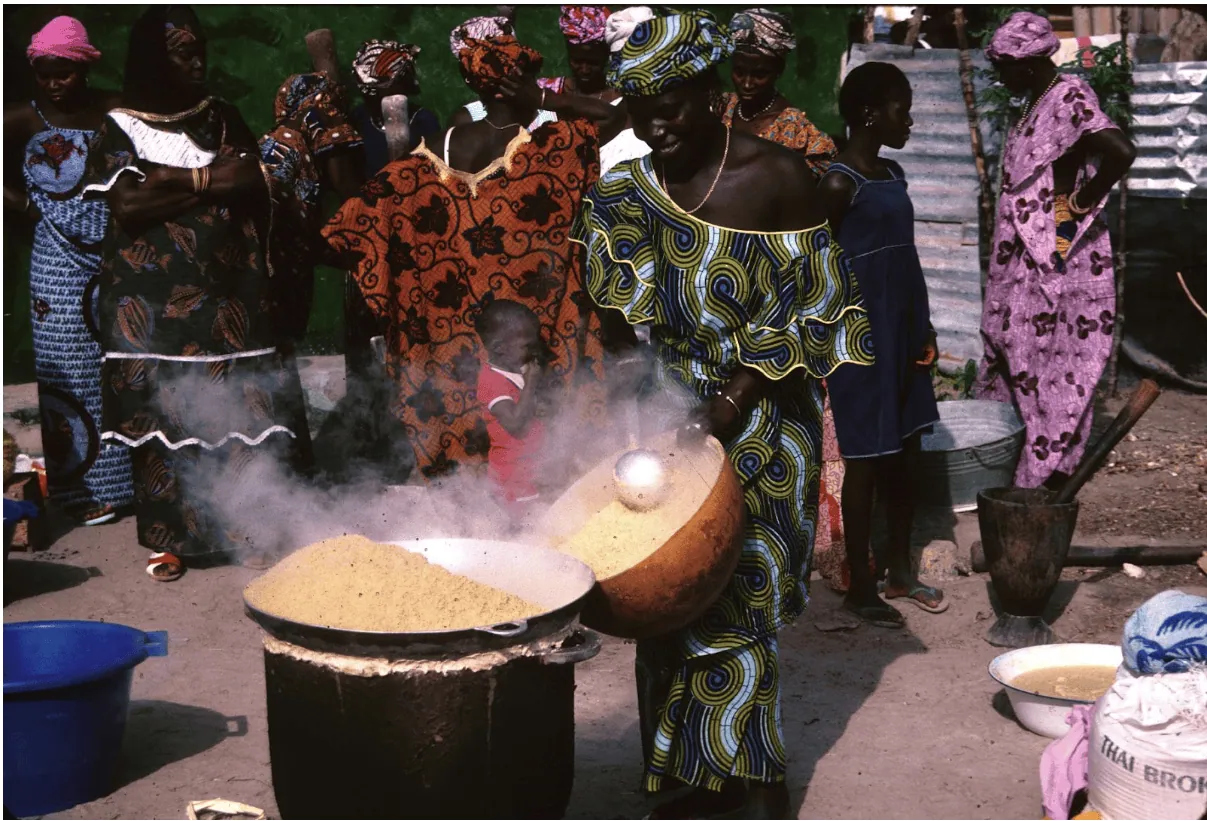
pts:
[1083, 25]
[321, 46]
[915, 26]
[869, 24]
[1112, 365]
[396, 125]
[974, 132]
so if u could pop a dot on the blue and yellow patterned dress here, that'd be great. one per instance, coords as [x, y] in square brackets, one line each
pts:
[717, 299]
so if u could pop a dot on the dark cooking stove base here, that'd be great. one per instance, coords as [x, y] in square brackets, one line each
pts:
[1020, 631]
[497, 743]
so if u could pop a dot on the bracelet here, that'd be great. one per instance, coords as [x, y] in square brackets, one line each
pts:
[196, 180]
[731, 401]
[543, 92]
[1075, 208]
[206, 174]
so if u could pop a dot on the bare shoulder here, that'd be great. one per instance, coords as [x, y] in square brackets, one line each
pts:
[460, 117]
[106, 101]
[834, 185]
[21, 121]
[784, 178]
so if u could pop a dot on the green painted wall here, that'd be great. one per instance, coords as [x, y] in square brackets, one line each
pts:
[253, 48]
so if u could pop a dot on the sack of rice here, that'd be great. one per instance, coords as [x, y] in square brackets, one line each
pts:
[1148, 746]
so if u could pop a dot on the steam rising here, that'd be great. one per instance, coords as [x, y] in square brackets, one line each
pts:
[259, 502]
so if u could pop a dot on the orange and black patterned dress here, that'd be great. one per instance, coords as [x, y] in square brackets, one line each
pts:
[431, 246]
[793, 130]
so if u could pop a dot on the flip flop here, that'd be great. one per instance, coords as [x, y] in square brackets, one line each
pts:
[99, 516]
[878, 616]
[920, 595]
[173, 567]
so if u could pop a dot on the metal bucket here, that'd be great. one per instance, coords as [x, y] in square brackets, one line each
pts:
[975, 445]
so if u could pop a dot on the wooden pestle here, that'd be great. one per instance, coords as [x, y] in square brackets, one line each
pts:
[397, 125]
[320, 44]
[1136, 407]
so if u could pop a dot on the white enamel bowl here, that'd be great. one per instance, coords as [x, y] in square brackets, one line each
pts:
[1045, 715]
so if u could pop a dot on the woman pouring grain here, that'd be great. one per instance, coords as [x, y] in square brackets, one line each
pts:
[682, 221]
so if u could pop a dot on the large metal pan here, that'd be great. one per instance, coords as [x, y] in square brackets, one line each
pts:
[536, 574]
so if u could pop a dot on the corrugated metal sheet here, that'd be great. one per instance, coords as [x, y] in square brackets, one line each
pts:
[943, 185]
[1170, 128]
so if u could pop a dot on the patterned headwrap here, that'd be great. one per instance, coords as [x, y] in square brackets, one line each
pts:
[1023, 35]
[179, 36]
[304, 92]
[762, 30]
[621, 25]
[583, 24]
[666, 52]
[485, 62]
[479, 28]
[63, 37]
[379, 63]
[1166, 634]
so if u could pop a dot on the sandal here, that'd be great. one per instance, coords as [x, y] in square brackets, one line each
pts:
[99, 516]
[165, 567]
[928, 598]
[878, 613]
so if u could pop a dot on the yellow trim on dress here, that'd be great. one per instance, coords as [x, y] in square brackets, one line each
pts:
[472, 181]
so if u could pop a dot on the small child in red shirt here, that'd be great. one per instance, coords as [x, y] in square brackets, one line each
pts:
[508, 386]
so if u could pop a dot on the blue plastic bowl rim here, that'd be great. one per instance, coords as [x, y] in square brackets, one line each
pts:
[138, 652]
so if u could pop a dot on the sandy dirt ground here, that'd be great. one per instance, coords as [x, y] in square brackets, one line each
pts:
[882, 724]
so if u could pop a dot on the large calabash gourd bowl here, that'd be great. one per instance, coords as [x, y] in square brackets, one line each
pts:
[673, 586]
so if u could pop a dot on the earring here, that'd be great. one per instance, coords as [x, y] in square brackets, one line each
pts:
[868, 124]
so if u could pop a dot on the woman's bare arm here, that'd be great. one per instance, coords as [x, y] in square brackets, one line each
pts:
[1117, 152]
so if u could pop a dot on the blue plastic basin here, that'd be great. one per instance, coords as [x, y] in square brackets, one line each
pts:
[66, 694]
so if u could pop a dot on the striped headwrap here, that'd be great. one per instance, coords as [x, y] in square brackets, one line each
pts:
[666, 52]
[479, 28]
[379, 63]
[762, 30]
[485, 62]
[178, 36]
[583, 24]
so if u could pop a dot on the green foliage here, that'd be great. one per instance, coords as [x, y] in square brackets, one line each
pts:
[1111, 78]
[958, 386]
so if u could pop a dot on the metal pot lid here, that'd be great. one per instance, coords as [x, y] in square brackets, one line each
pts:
[536, 574]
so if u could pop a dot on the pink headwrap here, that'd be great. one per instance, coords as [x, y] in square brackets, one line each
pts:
[63, 37]
[1023, 35]
[584, 24]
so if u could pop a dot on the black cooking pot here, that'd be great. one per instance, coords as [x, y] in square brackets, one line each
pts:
[474, 723]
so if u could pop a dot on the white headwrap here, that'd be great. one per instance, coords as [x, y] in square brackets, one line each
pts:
[620, 25]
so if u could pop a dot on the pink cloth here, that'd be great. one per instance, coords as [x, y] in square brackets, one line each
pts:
[1064, 766]
[63, 37]
[1023, 35]
[1047, 334]
[584, 24]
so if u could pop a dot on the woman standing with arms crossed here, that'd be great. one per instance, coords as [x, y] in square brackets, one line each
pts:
[89, 479]
[880, 411]
[195, 383]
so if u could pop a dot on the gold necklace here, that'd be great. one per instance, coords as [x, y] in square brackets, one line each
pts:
[715, 180]
[1030, 107]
